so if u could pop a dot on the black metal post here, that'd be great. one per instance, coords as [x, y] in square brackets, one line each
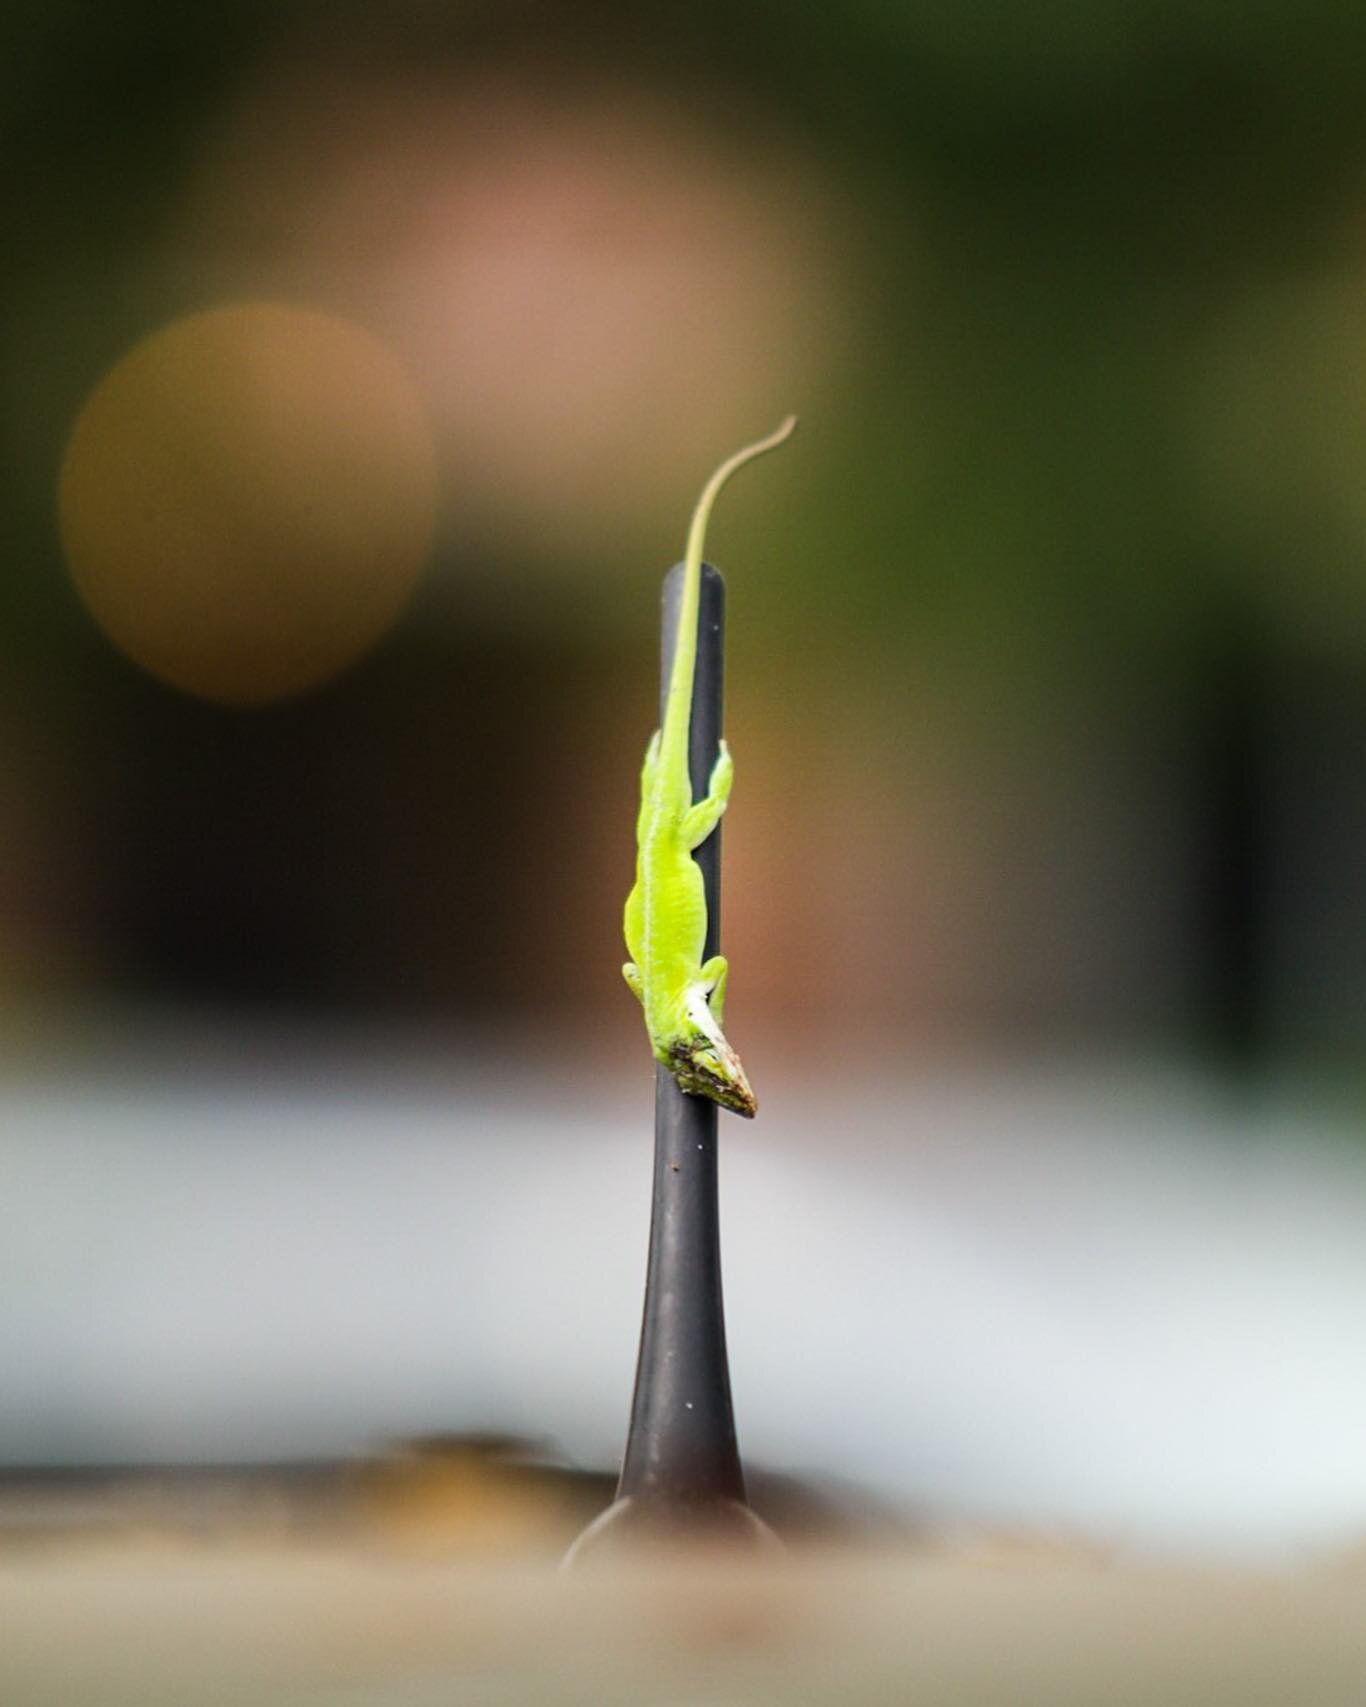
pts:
[681, 1469]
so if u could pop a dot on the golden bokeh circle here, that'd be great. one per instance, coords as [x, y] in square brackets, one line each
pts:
[247, 499]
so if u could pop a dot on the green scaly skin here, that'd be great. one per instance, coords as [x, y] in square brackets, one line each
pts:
[666, 911]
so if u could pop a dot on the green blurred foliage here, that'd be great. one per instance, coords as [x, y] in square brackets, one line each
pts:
[1054, 462]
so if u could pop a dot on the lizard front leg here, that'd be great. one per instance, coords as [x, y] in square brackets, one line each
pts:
[635, 942]
[700, 820]
[714, 974]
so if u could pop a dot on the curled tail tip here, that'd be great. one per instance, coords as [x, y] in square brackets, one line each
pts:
[780, 434]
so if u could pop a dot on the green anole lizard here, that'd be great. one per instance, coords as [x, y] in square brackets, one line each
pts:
[666, 911]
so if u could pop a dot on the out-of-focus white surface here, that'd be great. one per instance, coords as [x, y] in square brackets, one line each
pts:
[1111, 1305]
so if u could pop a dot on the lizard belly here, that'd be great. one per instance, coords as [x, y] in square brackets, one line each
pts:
[674, 930]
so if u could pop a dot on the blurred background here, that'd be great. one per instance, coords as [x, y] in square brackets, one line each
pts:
[360, 368]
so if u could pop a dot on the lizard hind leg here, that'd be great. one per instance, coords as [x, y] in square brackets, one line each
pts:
[700, 820]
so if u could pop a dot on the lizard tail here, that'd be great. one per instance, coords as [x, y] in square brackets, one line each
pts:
[697, 533]
[678, 704]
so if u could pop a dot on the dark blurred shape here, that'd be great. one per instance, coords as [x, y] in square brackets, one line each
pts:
[1234, 782]
[481, 1493]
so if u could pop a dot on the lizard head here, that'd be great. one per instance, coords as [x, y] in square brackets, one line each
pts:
[705, 1065]
[703, 1070]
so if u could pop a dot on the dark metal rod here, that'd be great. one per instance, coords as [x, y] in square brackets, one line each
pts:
[681, 1452]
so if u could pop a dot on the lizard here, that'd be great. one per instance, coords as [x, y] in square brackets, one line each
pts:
[683, 998]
